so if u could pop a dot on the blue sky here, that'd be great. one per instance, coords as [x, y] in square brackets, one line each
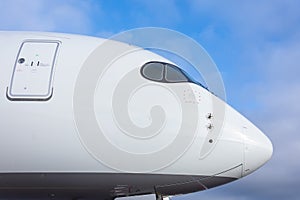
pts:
[255, 44]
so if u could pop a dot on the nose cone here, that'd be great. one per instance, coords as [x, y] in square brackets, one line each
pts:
[258, 149]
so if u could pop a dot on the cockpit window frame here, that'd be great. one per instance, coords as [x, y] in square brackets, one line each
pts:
[176, 69]
[143, 68]
[164, 79]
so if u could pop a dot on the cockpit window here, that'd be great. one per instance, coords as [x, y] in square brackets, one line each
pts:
[163, 72]
[166, 73]
[153, 71]
[174, 74]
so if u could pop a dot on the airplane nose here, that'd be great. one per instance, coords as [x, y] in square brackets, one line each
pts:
[258, 149]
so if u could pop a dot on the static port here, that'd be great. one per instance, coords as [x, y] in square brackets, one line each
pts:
[21, 60]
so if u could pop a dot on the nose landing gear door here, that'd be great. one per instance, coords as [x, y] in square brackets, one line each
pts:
[33, 71]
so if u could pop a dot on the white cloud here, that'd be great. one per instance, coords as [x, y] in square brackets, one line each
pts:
[161, 13]
[252, 18]
[42, 15]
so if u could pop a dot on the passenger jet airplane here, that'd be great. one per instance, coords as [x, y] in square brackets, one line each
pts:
[91, 118]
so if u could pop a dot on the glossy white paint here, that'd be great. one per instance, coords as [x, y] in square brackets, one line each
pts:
[41, 134]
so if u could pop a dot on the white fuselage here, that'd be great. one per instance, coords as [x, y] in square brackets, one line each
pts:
[79, 120]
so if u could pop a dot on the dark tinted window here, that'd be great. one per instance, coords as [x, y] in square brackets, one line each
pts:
[153, 71]
[174, 74]
[163, 72]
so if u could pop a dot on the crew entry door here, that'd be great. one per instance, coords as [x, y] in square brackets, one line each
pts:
[33, 71]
